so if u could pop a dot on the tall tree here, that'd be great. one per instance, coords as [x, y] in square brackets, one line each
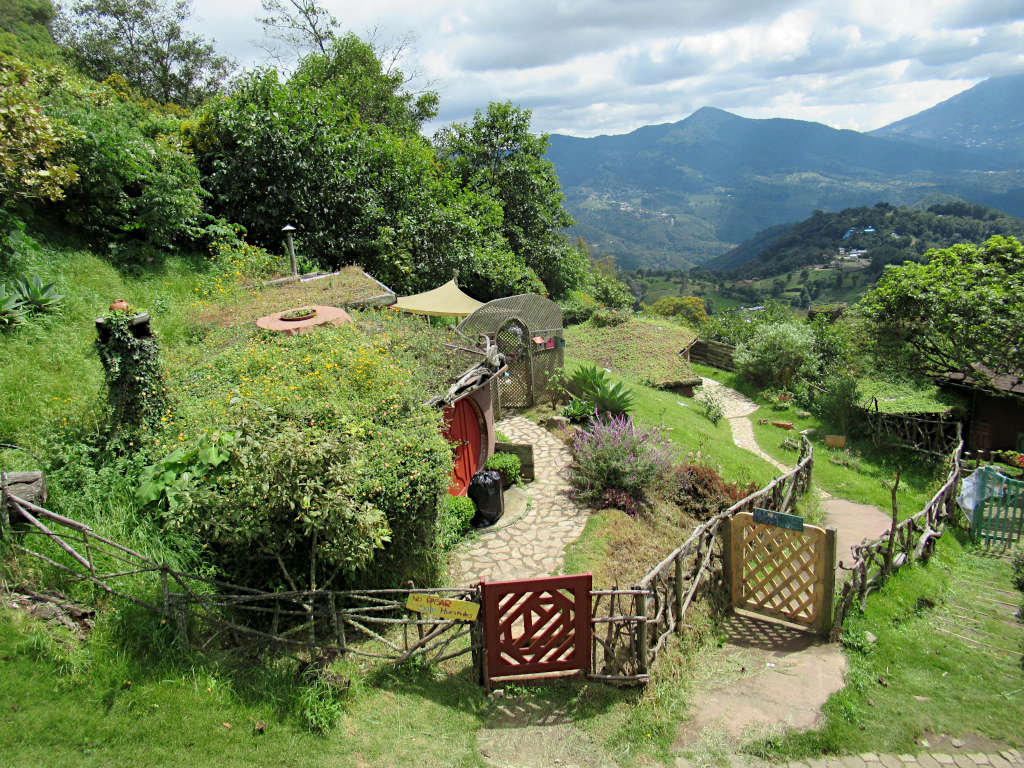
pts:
[958, 312]
[498, 155]
[352, 71]
[145, 42]
[297, 27]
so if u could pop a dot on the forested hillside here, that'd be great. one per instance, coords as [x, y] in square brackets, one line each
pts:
[882, 234]
[675, 195]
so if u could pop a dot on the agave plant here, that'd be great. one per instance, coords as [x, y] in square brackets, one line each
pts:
[592, 385]
[12, 308]
[35, 294]
[585, 381]
[613, 398]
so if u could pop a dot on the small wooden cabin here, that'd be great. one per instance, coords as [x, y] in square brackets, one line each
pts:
[996, 421]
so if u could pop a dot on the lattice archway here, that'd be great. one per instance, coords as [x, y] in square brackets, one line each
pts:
[512, 340]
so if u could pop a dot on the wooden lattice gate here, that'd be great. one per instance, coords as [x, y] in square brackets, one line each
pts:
[534, 627]
[785, 573]
[513, 341]
[998, 518]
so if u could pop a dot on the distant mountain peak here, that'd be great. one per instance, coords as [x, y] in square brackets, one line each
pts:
[988, 116]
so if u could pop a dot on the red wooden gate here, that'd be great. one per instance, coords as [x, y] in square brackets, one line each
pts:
[536, 626]
[462, 430]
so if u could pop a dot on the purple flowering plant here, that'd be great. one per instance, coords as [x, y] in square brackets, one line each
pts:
[615, 454]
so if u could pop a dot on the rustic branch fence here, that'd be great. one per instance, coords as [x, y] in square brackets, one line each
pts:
[934, 433]
[909, 540]
[631, 626]
[373, 623]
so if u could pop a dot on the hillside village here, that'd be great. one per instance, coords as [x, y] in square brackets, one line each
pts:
[326, 443]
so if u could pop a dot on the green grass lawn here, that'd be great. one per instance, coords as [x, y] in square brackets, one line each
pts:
[644, 349]
[861, 472]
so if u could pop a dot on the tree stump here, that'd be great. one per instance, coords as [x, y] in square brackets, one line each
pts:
[30, 486]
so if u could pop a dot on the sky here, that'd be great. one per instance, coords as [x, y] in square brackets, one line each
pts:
[590, 67]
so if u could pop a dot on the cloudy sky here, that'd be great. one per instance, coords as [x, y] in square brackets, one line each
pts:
[589, 67]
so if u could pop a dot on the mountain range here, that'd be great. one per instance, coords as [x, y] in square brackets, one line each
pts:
[679, 194]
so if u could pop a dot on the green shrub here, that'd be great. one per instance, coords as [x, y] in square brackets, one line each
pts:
[508, 464]
[614, 453]
[603, 318]
[336, 456]
[577, 307]
[136, 183]
[711, 406]
[1018, 570]
[836, 404]
[453, 519]
[776, 354]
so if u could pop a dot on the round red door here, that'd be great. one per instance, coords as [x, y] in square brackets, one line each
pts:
[462, 430]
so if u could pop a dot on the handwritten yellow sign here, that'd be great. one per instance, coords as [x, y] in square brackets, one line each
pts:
[442, 607]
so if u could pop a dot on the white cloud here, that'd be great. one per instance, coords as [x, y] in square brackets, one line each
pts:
[588, 67]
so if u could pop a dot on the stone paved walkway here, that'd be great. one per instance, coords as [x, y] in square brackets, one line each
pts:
[738, 407]
[535, 544]
[1007, 758]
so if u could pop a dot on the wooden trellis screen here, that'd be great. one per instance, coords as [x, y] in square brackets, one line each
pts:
[517, 384]
[999, 518]
[782, 573]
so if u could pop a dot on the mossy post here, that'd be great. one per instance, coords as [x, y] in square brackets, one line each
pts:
[131, 367]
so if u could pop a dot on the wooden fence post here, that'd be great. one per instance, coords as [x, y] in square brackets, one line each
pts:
[828, 587]
[679, 594]
[727, 560]
[642, 641]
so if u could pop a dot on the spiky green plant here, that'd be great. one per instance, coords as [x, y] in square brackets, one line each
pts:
[593, 386]
[12, 308]
[36, 295]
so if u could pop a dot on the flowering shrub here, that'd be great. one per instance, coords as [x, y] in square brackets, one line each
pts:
[700, 491]
[615, 454]
[616, 499]
[335, 454]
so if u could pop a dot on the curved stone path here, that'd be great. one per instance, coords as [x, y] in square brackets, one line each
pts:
[535, 544]
[737, 408]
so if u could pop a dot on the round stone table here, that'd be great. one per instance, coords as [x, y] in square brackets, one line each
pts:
[324, 316]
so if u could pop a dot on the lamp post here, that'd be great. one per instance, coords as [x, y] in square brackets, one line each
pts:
[288, 229]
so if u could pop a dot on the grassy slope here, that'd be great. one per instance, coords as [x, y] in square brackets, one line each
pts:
[643, 348]
[935, 682]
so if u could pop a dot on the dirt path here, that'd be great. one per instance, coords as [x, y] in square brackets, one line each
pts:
[781, 677]
[738, 408]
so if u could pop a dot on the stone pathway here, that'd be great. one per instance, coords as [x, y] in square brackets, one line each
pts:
[1005, 758]
[535, 544]
[737, 408]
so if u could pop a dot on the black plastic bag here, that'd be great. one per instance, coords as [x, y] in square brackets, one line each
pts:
[485, 492]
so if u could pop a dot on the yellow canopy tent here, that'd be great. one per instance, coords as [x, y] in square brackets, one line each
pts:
[446, 301]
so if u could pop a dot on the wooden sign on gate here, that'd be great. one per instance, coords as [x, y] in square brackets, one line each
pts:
[778, 519]
[442, 607]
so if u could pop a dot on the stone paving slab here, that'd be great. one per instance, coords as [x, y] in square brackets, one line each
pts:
[535, 544]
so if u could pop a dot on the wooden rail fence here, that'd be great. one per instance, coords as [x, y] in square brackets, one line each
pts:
[372, 623]
[906, 541]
